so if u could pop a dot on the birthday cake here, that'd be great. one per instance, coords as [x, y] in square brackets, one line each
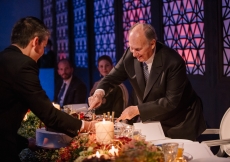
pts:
[48, 139]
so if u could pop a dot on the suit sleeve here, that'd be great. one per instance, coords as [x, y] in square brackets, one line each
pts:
[116, 76]
[28, 87]
[80, 93]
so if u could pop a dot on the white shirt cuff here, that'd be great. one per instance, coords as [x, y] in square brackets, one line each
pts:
[99, 92]
[82, 125]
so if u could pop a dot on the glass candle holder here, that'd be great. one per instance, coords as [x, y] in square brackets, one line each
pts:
[170, 151]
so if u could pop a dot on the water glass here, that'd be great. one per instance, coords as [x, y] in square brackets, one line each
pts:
[143, 137]
[136, 134]
[127, 132]
[67, 109]
[118, 130]
[170, 151]
[180, 149]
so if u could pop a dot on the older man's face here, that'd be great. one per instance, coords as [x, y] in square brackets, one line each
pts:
[140, 46]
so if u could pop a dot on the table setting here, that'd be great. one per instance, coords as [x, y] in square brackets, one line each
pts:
[118, 141]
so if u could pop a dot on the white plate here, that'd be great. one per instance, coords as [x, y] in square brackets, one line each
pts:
[159, 142]
[211, 159]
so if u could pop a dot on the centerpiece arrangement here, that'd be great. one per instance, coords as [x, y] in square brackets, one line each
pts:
[90, 147]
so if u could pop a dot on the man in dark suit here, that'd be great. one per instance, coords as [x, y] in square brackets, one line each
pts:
[20, 89]
[166, 95]
[75, 90]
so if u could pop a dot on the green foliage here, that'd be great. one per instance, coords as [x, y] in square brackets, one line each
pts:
[29, 126]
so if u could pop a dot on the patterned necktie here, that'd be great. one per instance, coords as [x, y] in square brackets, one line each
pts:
[146, 72]
[61, 93]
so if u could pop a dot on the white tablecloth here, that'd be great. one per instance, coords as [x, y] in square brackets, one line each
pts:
[199, 151]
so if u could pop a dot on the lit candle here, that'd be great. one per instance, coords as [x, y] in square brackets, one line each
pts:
[104, 131]
[113, 151]
[98, 154]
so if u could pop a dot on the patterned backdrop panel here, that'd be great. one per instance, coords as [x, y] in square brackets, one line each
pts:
[48, 15]
[226, 37]
[80, 34]
[183, 23]
[133, 12]
[104, 28]
[62, 29]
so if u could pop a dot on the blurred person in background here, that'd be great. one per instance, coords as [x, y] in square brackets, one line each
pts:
[69, 89]
[117, 99]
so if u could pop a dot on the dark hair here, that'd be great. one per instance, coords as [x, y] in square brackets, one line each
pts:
[148, 29]
[105, 57]
[66, 60]
[26, 29]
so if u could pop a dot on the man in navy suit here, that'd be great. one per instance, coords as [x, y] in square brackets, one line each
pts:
[20, 89]
[166, 95]
[75, 91]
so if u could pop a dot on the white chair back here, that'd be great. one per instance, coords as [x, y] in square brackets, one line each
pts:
[225, 131]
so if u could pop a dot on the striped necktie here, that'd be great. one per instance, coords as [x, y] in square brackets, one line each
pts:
[145, 71]
[61, 93]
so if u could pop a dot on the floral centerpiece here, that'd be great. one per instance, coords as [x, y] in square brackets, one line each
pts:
[84, 148]
[29, 125]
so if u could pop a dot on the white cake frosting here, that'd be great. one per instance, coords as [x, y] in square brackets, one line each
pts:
[47, 139]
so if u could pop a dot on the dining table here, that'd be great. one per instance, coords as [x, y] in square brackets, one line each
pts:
[194, 151]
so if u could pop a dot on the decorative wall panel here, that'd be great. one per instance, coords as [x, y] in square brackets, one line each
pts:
[80, 33]
[48, 16]
[62, 29]
[104, 29]
[135, 11]
[226, 37]
[183, 23]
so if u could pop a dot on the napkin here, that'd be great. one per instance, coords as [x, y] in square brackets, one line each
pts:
[152, 131]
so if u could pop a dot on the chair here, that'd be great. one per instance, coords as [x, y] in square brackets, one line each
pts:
[224, 135]
[125, 95]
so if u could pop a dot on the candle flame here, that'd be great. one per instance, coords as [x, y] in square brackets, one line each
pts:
[103, 120]
[98, 154]
[113, 151]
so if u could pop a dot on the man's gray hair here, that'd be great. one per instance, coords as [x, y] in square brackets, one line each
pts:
[148, 29]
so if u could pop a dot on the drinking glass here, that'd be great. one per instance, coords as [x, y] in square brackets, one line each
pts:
[118, 130]
[180, 152]
[127, 132]
[170, 151]
[143, 137]
[67, 109]
[180, 149]
[136, 134]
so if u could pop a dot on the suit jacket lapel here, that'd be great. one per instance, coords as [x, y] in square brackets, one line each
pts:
[155, 72]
